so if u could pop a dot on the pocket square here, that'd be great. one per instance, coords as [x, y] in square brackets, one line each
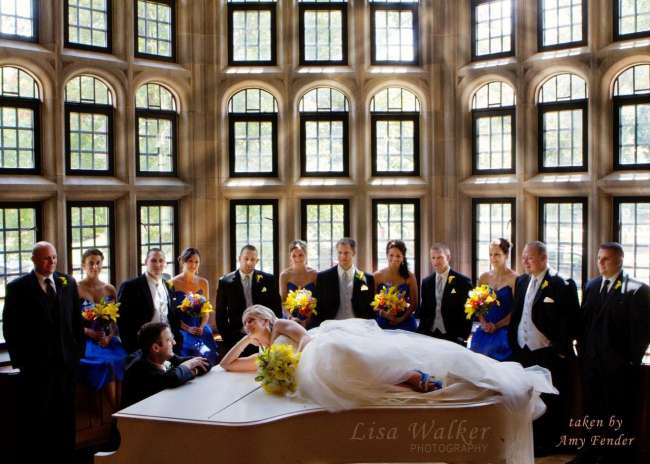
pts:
[263, 289]
[548, 300]
[453, 290]
[364, 288]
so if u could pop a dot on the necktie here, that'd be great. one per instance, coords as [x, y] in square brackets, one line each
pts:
[247, 291]
[51, 293]
[604, 291]
[532, 291]
[440, 286]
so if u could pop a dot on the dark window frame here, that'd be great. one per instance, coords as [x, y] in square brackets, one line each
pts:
[616, 232]
[396, 6]
[234, 253]
[542, 109]
[490, 112]
[543, 201]
[111, 230]
[306, 202]
[94, 48]
[304, 7]
[492, 56]
[149, 56]
[234, 118]
[33, 104]
[38, 218]
[416, 269]
[35, 23]
[334, 116]
[171, 116]
[261, 6]
[616, 35]
[512, 201]
[85, 108]
[174, 204]
[618, 103]
[577, 43]
[413, 116]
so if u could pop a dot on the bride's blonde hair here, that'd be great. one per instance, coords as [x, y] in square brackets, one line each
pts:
[259, 311]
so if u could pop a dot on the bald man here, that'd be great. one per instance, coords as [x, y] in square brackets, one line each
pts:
[42, 327]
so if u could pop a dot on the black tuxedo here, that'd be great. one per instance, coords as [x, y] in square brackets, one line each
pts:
[329, 296]
[452, 307]
[45, 340]
[615, 333]
[231, 302]
[136, 309]
[554, 308]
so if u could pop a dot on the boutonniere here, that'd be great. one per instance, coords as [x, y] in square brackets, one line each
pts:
[258, 278]
[263, 290]
[617, 285]
[544, 284]
[64, 281]
[450, 279]
[170, 284]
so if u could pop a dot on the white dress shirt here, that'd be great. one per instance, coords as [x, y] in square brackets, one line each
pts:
[159, 297]
[611, 279]
[439, 289]
[346, 286]
[41, 281]
[527, 333]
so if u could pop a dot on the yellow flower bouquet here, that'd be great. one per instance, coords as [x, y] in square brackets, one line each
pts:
[276, 369]
[391, 300]
[301, 304]
[195, 305]
[102, 314]
[480, 301]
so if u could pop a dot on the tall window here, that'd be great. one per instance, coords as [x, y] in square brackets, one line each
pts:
[323, 223]
[395, 119]
[493, 129]
[253, 222]
[396, 219]
[251, 25]
[493, 27]
[155, 29]
[632, 230]
[561, 23]
[19, 20]
[253, 141]
[492, 218]
[324, 133]
[631, 19]
[88, 24]
[632, 118]
[156, 120]
[158, 228]
[20, 229]
[563, 227]
[19, 122]
[323, 32]
[563, 124]
[89, 123]
[90, 225]
[394, 27]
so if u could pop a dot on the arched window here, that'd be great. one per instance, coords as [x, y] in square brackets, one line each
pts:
[561, 24]
[493, 26]
[19, 122]
[253, 119]
[252, 31]
[323, 32]
[632, 118]
[562, 106]
[394, 26]
[324, 133]
[89, 126]
[631, 19]
[18, 20]
[395, 119]
[493, 129]
[87, 24]
[156, 29]
[156, 125]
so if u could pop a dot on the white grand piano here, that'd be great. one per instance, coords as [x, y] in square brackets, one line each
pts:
[225, 417]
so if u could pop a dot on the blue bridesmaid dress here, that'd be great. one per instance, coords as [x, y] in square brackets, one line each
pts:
[195, 345]
[495, 345]
[409, 323]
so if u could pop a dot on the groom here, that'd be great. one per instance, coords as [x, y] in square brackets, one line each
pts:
[343, 291]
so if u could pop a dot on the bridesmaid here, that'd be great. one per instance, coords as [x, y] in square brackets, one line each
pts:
[397, 274]
[103, 363]
[298, 274]
[491, 337]
[198, 339]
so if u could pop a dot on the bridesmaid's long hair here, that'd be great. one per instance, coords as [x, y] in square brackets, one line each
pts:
[401, 246]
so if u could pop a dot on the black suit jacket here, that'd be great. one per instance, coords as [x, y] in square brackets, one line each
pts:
[137, 308]
[329, 296]
[38, 335]
[555, 306]
[452, 306]
[231, 302]
[615, 333]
